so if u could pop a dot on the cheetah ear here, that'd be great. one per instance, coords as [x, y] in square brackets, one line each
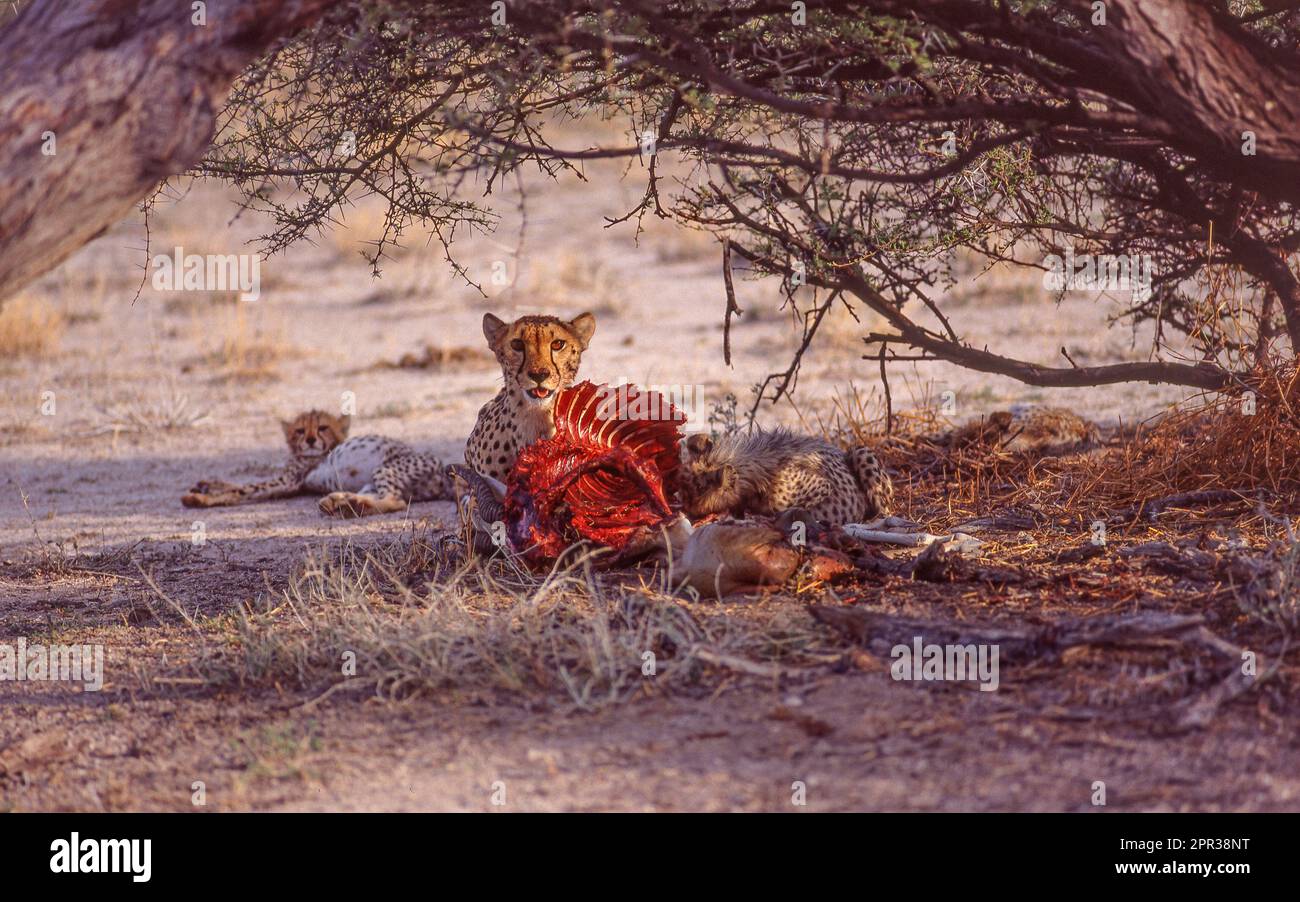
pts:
[698, 443]
[287, 426]
[344, 423]
[493, 328]
[583, 326]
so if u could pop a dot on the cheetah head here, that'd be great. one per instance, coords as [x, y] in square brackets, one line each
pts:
[315, 433]
[705, 484]
[539, 355]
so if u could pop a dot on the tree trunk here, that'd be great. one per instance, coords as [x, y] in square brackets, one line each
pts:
[1209, 82]
[101, 101]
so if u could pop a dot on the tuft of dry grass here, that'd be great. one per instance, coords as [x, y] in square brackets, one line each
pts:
[29, 327]
[572, 280]
[161, 413]
[852, 417]
[421, 618]
[1248, 439]
[362, 226]
[246, 350]
[359, 228]
[1244, 442]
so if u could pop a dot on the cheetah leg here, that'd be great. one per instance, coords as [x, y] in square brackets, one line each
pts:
[877, 487]
[480, 508]
[204, 499]
[225, 494]
[352, 504]
[815, 495]
[419, 477]
[395, 481]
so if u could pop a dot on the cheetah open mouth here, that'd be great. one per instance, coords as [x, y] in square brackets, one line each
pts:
[540, 393]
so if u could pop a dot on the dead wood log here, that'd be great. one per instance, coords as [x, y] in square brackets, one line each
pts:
[937, 565]
[1251, 573]
[101, 101]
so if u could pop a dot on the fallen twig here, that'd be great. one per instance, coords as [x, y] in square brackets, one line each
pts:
[881, 632]
[1150, 510]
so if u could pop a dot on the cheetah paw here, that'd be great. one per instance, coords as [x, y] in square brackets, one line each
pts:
[347, 504]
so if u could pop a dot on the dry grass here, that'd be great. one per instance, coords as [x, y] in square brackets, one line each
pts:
[88, 297]
[1224, 445]
[162, 412]
[30, 327]
[854, 417]
[198, 302]
[1216, 447]
[361, 225]
[355, 236]
[1237, 442]
[441, 358]
[571, 281]
[676, 243]
[419, 618]
[247, 348]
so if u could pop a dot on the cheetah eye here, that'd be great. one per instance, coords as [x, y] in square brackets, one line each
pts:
[557, 344]
[298, 432]
[517, 344]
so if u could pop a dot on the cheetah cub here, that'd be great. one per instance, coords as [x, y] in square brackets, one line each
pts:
[769, 472]
[358, 476]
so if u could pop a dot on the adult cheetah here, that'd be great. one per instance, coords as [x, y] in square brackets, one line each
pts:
[539, 357]
[772, 471]
[358, 476]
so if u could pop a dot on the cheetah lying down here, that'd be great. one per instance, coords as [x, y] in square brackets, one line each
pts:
[358, 476]
[773, 471]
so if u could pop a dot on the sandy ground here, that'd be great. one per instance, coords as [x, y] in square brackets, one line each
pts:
[208, 376]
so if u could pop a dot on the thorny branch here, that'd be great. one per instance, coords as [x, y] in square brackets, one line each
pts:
[871, 147]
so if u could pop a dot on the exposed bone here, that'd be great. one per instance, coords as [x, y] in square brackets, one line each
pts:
[887, 523]
[961, 542]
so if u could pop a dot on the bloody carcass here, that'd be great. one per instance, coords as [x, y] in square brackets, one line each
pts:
[606, 476]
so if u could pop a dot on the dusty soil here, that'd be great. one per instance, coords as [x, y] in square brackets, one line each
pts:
[150, 394]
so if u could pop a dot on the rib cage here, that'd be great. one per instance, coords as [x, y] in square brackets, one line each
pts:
[602, 476]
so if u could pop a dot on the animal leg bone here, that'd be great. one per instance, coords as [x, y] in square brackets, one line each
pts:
[863, 532]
